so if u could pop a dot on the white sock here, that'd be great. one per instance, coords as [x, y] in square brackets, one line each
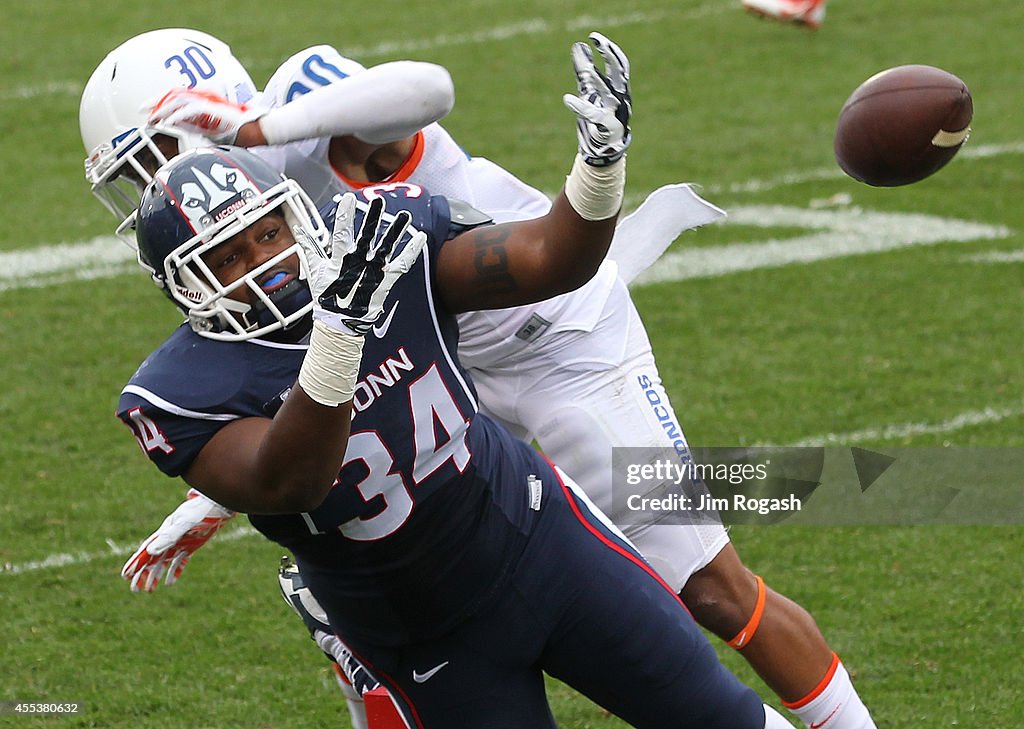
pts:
[834, 706]
[775, 720]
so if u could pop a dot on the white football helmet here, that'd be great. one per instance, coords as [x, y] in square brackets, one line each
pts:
[119, 95]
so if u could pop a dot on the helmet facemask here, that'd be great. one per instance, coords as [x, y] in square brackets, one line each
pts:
[118, 172]
[207, 301]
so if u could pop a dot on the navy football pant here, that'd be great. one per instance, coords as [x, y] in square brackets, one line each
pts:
[584, 607]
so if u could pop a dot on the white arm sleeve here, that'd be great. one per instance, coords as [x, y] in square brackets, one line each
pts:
[382, 104]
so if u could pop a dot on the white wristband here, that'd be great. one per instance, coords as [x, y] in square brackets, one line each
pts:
[331, 367]
[596, 192]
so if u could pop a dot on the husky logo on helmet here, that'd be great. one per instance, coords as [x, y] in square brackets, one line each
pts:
[215, 195]
[204, 198]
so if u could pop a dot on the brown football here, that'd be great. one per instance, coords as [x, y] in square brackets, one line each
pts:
[902, 125]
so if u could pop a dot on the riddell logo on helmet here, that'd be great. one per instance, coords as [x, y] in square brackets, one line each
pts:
[194, 296]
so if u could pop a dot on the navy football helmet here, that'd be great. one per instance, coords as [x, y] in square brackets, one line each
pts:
[201, 199]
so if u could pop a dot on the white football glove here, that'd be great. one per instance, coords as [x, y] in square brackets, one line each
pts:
[350, 285]
[203, 113]
[603, 106]
[167, 550]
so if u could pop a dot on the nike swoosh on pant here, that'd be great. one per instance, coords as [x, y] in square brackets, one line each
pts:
[423, 677]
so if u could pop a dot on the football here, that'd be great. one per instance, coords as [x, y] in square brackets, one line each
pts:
[902, 125]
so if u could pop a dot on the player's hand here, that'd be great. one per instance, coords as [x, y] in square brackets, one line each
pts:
[166, 551]
[203, 113]
[350, 284]
[603, 106]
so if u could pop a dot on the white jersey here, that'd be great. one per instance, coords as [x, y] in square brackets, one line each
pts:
[440, 165]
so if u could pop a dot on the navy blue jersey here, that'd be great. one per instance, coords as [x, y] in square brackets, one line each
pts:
[449, 556]
[432, 502]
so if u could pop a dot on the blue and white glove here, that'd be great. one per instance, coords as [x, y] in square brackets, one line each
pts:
[603, 106]
[350, 285]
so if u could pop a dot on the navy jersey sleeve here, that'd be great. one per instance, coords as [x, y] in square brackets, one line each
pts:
[171, 440]
[191, 387]
[430, 213]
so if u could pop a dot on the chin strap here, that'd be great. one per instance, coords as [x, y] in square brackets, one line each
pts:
[290, 298]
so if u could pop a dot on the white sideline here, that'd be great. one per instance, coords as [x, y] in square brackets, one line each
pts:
[885, 433]
[67, 559]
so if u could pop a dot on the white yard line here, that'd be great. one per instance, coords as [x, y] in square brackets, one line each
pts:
[50, 88]
[104, 256]
[902, 431]
[71, 559]
[533, 26]
[50, 259]
[834, 173]
[61, 263]
[835, 233]
[1016, 256]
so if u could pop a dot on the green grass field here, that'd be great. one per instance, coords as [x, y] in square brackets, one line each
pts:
[919, 345]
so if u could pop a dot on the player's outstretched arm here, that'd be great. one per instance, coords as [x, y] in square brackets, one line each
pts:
[289, 463]
[519, 263]
[382, 104]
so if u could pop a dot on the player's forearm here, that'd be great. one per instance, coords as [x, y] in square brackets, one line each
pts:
[521, 263]
[580, 226]
[304, 449]
[383, 104]
[284, 465]
[570, 252]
